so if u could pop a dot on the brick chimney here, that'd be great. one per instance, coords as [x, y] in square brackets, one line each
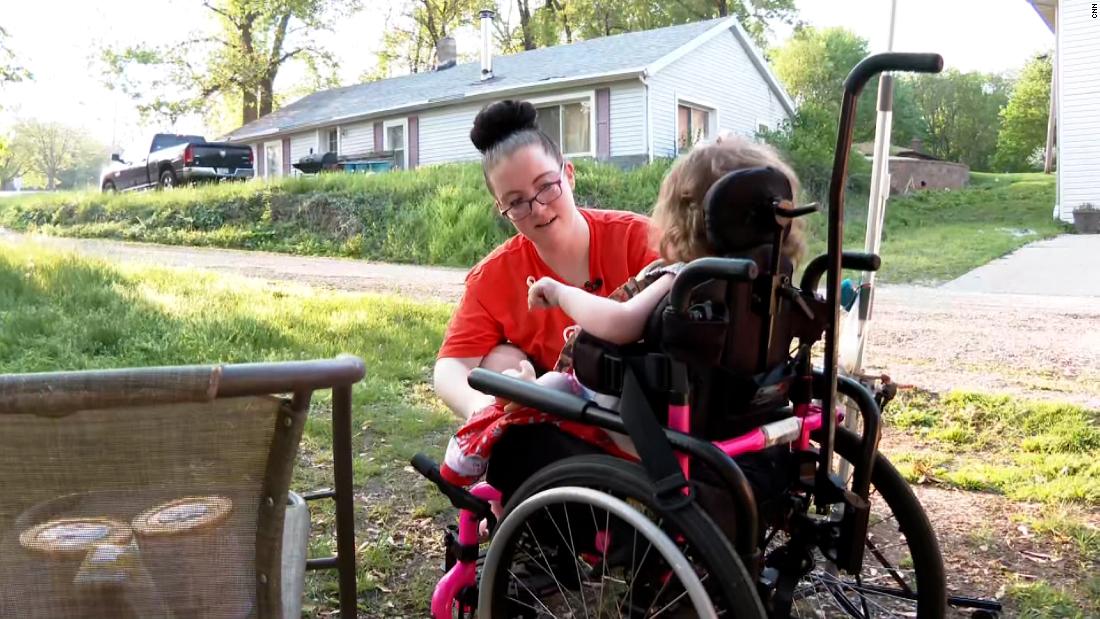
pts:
[446, 53]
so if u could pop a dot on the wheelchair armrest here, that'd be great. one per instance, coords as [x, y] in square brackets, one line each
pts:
[858, 261]
[702, 269]
[530, 394]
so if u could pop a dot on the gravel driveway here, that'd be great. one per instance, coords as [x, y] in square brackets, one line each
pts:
[1045, 347]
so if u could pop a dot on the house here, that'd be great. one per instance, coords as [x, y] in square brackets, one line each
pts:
[1076, 91]
[625, 99]
[912, 169]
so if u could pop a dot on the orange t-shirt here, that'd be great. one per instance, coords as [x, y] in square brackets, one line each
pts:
[493, 309]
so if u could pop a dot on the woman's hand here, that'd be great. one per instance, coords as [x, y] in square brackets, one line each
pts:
[525, 372]
[542, 294]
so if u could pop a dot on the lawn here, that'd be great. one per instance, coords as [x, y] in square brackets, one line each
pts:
[60, 312]
[64, 312]
[936, 236]
[1045, 452]
[443, 215]
[1043, 456]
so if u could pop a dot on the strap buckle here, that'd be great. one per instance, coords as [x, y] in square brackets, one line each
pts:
[674, 492]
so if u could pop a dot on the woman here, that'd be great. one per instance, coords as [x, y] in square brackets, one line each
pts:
[532, 186]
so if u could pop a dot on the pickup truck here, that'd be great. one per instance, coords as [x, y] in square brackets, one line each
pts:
[178, 159]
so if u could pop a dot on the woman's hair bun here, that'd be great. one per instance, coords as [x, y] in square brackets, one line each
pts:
[498, 120]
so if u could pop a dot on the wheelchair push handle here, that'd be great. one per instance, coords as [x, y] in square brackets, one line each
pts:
[703, 269]
[529, 394]
[890, 61]
[854, 260]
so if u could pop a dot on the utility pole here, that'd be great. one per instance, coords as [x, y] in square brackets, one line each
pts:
[852, 345]
[876, 206]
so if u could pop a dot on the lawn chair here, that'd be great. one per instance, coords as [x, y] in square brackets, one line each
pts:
[161, 492]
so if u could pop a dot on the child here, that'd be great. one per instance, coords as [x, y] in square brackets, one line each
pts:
[621, 318]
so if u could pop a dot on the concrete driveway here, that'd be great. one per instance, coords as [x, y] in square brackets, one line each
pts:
[1064, 266]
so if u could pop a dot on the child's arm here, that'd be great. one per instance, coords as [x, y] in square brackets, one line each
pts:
[618, 323]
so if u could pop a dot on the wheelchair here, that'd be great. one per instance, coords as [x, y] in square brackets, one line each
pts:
[734, 507]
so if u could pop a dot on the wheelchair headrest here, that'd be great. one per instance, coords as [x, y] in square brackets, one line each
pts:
[741, 208]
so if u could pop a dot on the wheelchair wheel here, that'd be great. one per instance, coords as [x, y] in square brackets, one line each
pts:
[902, 575]
[540, 563]
[697, 538]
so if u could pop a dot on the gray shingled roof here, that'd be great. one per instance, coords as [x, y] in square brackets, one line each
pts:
[608, 55]
[617, 55]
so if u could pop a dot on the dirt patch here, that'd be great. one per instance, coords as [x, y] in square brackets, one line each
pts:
[987, 540]
[987, 545]
[413, 281]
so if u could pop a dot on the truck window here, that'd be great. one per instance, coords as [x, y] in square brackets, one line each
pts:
[167, 140]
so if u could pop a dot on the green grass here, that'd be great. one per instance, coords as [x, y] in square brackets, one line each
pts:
[1039, 452]
[61, 312]
[58, 311]
[436, 215]
[1033, 451]
[996, 178]
[936, 236]
[1065, 524]
[443, 215]
[1039, 599]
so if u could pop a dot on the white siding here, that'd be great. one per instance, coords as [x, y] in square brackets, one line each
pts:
[1078, 102]
[357, 138]
[445, 134]
[300, 145]
[721, 73]
[628, 118]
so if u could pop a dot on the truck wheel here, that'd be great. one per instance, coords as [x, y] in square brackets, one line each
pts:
[109, 187]
[167, 179]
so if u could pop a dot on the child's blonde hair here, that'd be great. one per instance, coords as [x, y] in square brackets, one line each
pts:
[678, 214]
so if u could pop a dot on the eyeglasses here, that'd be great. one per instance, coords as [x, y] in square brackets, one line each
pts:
[547, 193]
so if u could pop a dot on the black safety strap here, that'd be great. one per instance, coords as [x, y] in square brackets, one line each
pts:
[650, 441]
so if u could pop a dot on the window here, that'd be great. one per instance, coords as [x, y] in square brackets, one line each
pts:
[334, 141]
[569, 125]
[394, 139]
[693, 124]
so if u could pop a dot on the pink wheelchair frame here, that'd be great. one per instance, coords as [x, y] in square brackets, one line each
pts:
[794, 430]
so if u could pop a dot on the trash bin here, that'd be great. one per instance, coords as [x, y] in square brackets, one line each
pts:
[295, 548]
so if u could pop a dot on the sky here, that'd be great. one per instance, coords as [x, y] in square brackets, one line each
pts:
[57, 40]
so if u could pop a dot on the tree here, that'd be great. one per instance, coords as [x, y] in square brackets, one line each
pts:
[1024, 118]
[530, 24]
[585, 19]
[820, 82]
[409, 44]
[960, 112]
[10, 70]
[814, 62]
[89, 156]
[808, 141]
[12, 163]
[907, 122]
[254, 40]
[63, 156]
